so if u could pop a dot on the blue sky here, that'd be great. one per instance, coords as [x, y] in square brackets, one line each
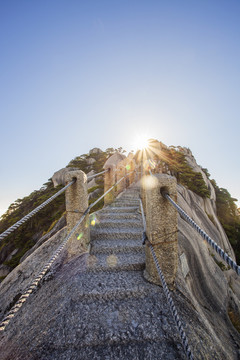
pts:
[81, 74]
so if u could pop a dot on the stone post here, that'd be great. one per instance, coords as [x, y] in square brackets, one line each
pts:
[76, 204]
[137, 173]
[121, 171]
[161, 219]
[109, 181]
[144, 181]
[132, 172]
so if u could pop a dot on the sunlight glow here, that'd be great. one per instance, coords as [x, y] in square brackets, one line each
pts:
[140, 142]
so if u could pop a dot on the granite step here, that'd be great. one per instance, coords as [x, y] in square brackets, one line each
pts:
[118, 329]
[130, 201]
[113, 285]
[121, 233]
[113, 223]
[113, 246]
[120, 209]
[116, 262]
[119, 216]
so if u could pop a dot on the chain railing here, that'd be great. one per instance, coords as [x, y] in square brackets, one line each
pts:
[34, 284]
[40, 207]
[205, 236]
[96, 175]
[166, 291]
[33, 212]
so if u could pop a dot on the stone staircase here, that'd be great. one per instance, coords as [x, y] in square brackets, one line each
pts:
[98, 306]
[124, 316]
[116, 243]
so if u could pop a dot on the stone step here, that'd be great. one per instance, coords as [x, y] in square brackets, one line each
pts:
[112, 285]
[130, 201]
[117, 329]
[121, 216]
[125, 204]
[113, 233]
[114, 223]
[113, 246]
[116, 262]
[120, 209]
[132, 350]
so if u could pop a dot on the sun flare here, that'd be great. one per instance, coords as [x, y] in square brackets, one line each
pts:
[140, 143]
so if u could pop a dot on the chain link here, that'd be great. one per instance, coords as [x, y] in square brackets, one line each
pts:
[34, 284]
[95, 175]
[205, 236]
[33, 212]
[173, 309]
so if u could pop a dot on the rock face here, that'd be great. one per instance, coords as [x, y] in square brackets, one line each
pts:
[99, 306]
[91, 183]
[58, 226]
[94, 194]
[90, 161]
[95, 151]
[192, 162]
[114, 160]
[16, 282]
[90, 173]
[4, 270]
[201, 279]
[58, 177]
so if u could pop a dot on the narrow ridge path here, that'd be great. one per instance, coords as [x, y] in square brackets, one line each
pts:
[126, 317]
[98, 306]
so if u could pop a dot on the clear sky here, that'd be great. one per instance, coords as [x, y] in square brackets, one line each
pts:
[81, 74]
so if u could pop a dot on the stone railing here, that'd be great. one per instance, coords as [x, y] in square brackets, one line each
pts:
[118, 166]
[161, 226]
[161, 217]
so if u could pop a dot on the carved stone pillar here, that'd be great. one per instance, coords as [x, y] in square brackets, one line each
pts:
[161, 220]
[76, 203]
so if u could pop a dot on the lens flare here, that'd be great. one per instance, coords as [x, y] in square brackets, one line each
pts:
[93, 220]
[112, 260]
[92, 260]
[128, 167]
[80, 236]
[149, 182]
[140, 142]
[152, 164]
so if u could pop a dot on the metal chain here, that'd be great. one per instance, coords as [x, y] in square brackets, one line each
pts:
[144, 234]
[95, 175]
[34, 284]
[40, 207]
[33, 212]
[205, 236]
[173, 309]
[166, 292]
[93, 204]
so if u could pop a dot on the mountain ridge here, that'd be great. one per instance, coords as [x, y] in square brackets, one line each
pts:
[207, 291]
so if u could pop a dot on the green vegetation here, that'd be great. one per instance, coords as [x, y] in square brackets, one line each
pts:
[172, 160]
[229, 217]
[222, 266]
[175, 162]
[211, 218]
[27, 234]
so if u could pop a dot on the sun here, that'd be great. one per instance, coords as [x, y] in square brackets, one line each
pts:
[140, 142]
